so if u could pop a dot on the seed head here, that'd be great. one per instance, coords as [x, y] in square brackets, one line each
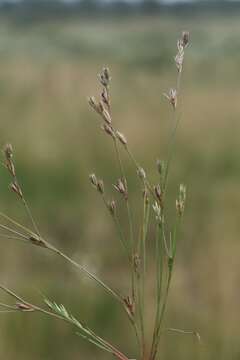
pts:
[121, 188]
[16, 188]
[112, 207]
[179, 60]
[8, 151]
[105, 97]
[104, 77]
[93, 103]
[36, 240]
[24, 307]
[121, 138]
[181, 45]
[99, 108]
[93, 180]
[130, 305]
[185, 39]
[108, 130]
[106, 116]
[141, 173]
[172, 97]
[158, 212]
[100, 186]
[181, 200]
[158, 193]
[182, 192]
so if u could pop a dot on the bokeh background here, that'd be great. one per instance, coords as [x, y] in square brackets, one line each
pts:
[50, 55]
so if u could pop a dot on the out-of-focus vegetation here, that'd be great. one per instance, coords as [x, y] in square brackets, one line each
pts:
[47, 70]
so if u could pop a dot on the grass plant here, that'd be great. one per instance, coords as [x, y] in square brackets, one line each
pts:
[134, 240]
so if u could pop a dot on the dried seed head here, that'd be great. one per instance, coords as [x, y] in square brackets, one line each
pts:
[36, 240]
[93, 180]
[121, 188]
[181, 45]
[8, 151]
[105, 97]
[172, 97]
[185, 38]
[181, 200]
[100, 109]
[16, 188]
[106, 116]
[92, 102]
[24, 307]
[158, 212]
[109, 130]
[179, 60]
[182, 192]
[130, 305]
[100, 186]
[112, 207]
[158, 192]
[121, 138]
[104, 77]
[141, 173]
[10, 166]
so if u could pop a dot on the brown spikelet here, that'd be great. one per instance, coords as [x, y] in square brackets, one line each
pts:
[24, 307]
[16, 188]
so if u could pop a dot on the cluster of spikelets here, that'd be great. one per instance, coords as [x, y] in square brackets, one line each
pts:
[133, 304]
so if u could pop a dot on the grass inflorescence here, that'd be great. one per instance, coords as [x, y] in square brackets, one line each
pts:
[133, 240]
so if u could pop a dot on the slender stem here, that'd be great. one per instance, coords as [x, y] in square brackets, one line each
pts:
[4, 227]
[145, 223]
[130, 225]
[122, 238]
[14, 222]
[87, 272]
[155, 344]
[159, 278]
[13, 237]
[105, 344]
[176, 122]
[187, 332]
[135, 163]
[28, 210]
[8, 306]
[130, 232]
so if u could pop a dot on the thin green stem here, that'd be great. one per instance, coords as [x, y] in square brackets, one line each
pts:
[130, 222]
[122, 238]
[145, 223]
[29, 212]
[156, 341]
[87, 272]
[159, 280]
[105, 345]
[135, 163]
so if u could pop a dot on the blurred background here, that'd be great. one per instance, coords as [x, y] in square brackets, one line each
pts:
[50, 55]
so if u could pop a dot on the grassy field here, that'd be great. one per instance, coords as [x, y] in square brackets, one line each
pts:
[46, 73]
